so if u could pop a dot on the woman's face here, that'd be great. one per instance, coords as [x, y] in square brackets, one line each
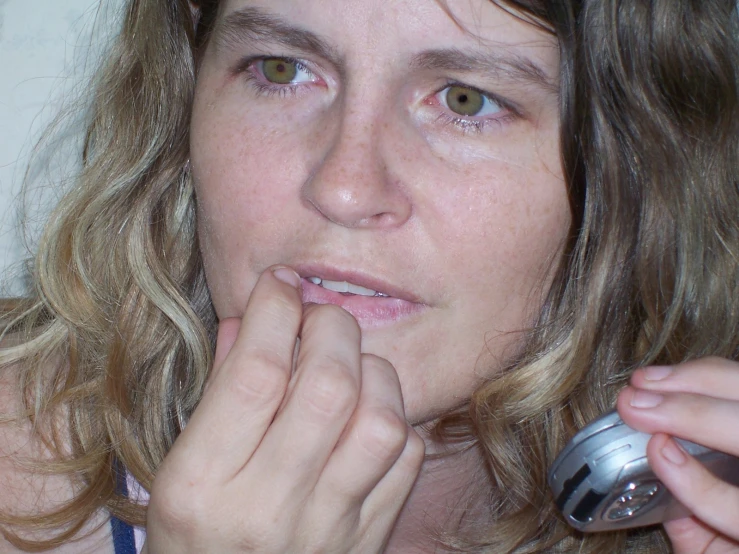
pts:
[408, 148]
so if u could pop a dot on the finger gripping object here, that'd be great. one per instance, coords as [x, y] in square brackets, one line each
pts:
[601, 481]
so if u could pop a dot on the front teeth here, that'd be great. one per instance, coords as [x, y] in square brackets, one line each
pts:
[344, 287]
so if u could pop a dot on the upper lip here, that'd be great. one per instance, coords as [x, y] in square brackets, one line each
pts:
[357, 278]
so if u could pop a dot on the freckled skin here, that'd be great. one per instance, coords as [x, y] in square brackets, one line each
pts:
[359, 174]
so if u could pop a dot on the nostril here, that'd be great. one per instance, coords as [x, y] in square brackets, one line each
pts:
[379, 220]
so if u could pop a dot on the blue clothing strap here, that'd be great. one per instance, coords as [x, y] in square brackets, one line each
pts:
[123, 540]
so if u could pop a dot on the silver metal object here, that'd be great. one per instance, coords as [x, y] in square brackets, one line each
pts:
[601, 481]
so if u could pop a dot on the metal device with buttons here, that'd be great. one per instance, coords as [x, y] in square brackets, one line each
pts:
[601, 481]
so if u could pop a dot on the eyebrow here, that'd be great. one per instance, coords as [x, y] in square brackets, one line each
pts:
[509, 65]
[253, 24]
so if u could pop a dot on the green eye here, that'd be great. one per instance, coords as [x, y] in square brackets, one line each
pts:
[279, 70]
[464, 101]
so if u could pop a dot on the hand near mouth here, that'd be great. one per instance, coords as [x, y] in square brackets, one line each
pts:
[274, 460]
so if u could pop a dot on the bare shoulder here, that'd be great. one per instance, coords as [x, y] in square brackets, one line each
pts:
[24, 491]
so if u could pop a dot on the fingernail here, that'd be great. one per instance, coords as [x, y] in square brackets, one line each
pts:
[673, 453]
[657, 372]
[287, 275]
[644, 399]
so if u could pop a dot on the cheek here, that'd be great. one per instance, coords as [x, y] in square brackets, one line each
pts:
[228, 163]
[505, 217]
[242, 154]
[242, 165]
[233, 168]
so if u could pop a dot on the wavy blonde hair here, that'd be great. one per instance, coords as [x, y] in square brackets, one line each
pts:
[649, 132]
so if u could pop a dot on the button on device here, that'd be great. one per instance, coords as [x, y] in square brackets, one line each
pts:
[633, 499]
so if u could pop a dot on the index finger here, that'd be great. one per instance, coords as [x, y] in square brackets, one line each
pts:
[714, 377]
[244, 394]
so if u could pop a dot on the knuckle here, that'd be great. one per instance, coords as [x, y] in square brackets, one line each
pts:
[262, 382]
[330, 389]
[381, 368]
[376, 363]
[707, 486]
[261, 531]
[180, 507]
[383, 433]
[693, 410]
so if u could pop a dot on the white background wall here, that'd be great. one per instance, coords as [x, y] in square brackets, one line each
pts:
[46, 48]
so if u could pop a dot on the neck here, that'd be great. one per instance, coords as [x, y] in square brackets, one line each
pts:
[451, 497]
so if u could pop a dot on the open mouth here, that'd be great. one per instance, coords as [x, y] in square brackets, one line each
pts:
[371, 307]
[346, 288]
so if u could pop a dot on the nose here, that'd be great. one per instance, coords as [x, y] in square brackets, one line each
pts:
[350, 183]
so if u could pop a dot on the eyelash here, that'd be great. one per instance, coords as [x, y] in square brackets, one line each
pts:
[470, 126]
[466, 125]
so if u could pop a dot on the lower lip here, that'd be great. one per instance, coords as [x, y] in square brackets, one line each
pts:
[369, 311]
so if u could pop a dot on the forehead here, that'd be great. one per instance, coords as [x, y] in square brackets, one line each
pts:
[475, 19]
[396, 30]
